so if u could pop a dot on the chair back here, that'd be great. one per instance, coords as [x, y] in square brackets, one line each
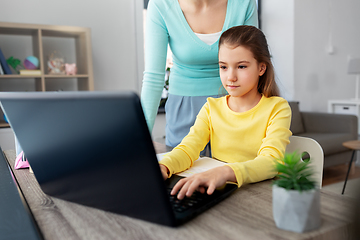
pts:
[313, 149]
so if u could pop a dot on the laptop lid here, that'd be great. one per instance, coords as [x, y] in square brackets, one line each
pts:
[95, 149]
[92, 148]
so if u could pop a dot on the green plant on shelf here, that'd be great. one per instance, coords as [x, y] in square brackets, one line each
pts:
[15, 64]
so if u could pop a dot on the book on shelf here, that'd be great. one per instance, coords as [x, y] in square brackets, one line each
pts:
[30, 72]
[1, 70]
[4, 64]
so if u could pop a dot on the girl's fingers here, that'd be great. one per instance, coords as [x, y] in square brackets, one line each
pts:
[201, 189]
[187, 189]
[211, 189]
[177, 186]
[195, 184]
[187, 186]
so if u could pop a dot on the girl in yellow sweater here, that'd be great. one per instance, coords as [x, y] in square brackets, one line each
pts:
[248, 128]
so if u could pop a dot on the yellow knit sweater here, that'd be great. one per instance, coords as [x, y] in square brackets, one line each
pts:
[249, 142]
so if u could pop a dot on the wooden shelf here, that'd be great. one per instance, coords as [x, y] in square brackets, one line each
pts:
[8, 76]
[4, 125]
[42, 38]
[12, 76]
[67, 76]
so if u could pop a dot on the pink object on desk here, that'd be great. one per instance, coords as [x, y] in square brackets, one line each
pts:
[21, 161]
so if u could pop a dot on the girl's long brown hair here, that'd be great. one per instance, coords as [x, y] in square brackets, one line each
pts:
[254, 40]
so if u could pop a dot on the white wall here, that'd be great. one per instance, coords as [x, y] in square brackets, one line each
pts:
[327, 32]
[116, 31]
[278, 26]
[300, 34]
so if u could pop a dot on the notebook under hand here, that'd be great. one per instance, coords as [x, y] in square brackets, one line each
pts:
[94, 148]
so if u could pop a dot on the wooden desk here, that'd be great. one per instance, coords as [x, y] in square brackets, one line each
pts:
[246, 214]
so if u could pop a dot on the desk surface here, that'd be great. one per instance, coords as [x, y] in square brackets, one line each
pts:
[246, 214]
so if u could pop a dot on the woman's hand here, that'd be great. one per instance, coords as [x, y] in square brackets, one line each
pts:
[164, 171]
[212, 179]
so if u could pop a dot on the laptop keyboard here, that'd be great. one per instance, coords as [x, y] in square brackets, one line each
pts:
[187, 202]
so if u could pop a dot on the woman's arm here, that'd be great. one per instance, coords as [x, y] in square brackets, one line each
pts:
[251, 17]
[156, 43]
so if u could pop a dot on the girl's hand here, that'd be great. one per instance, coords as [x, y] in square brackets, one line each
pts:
[164, 171]
[212, 179]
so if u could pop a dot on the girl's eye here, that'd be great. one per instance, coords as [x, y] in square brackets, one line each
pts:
[223, 67]
[242, 67]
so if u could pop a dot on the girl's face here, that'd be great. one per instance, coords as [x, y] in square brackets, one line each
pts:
[239, 71]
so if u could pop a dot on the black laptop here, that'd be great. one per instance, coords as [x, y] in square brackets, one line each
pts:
[94, 148]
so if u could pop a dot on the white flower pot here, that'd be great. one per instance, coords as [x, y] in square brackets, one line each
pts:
[296, 211]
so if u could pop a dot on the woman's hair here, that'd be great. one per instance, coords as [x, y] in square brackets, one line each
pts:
[254, 40]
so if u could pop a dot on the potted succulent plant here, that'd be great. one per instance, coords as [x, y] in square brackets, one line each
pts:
[296, 198]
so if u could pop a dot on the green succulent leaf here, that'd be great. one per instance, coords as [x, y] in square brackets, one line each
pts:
[294, 173]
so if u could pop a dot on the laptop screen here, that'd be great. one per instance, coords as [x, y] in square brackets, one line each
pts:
[92, 148]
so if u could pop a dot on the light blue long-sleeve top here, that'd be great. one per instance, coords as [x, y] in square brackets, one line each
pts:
[195, 70]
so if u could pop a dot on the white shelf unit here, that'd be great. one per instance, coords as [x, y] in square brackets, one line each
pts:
[349, 106]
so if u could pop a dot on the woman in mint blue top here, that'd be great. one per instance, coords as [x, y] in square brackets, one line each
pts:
[192, 29]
